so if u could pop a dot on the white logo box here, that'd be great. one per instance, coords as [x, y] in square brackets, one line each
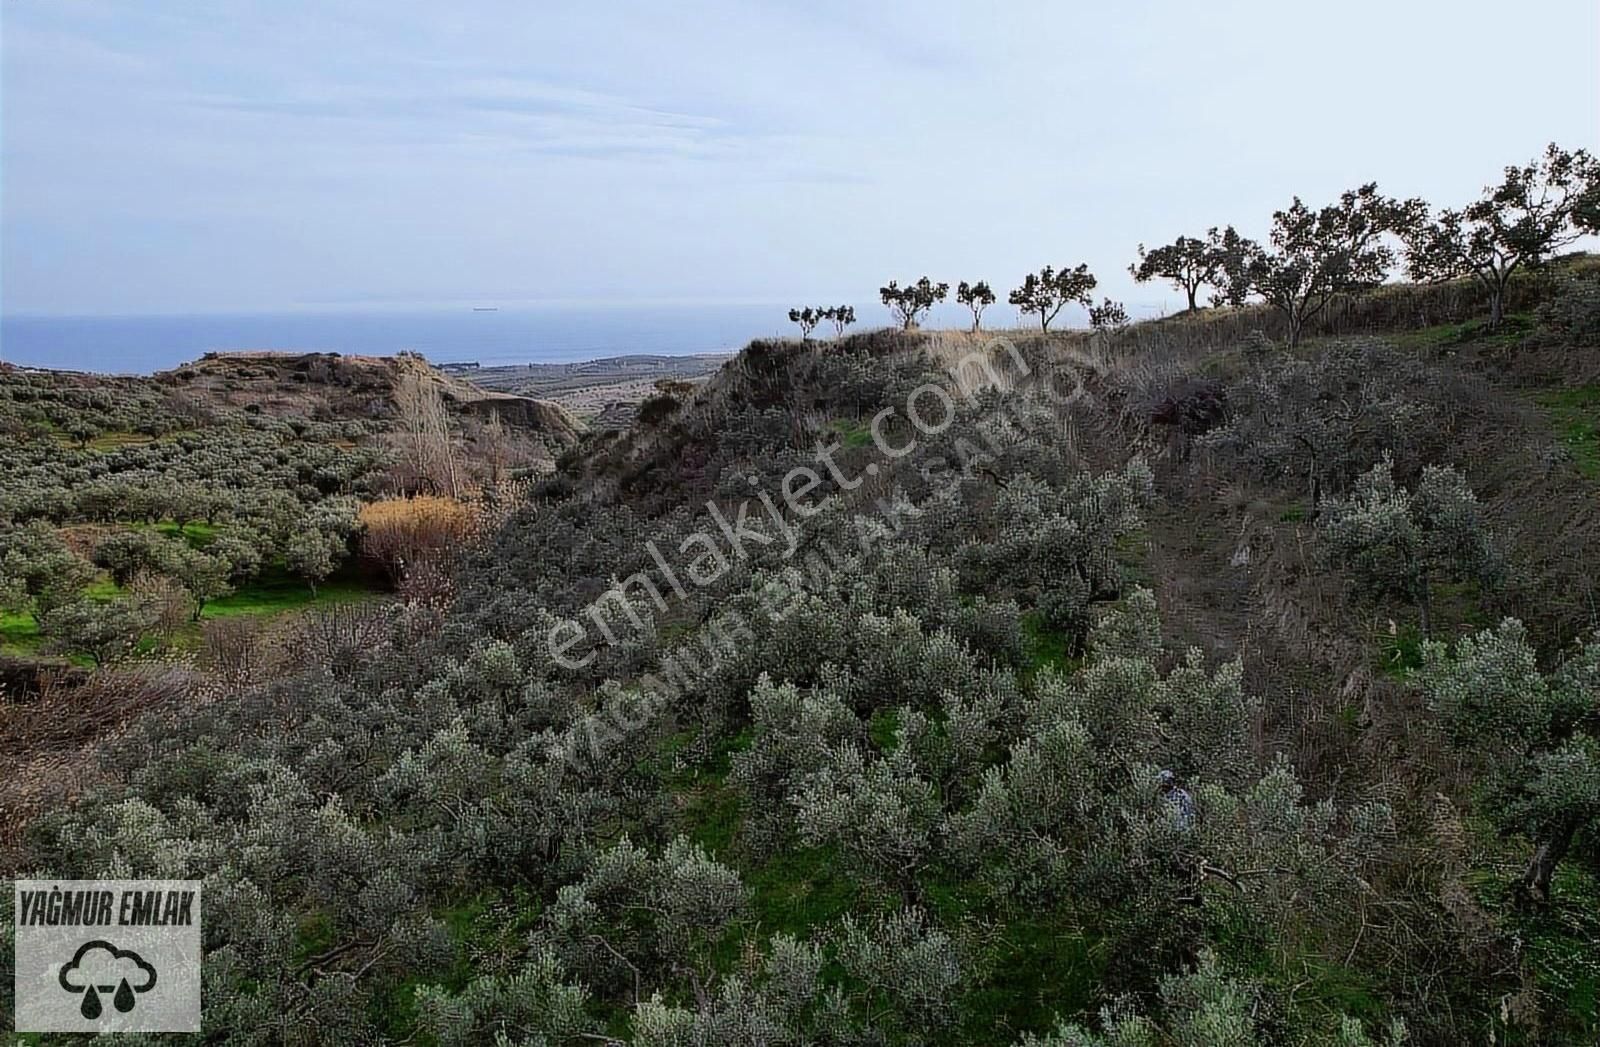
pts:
[95, 956]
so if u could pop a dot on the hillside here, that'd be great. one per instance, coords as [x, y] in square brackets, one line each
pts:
[353, 388]
[605, 393]
[1137, 687]
[239, 479]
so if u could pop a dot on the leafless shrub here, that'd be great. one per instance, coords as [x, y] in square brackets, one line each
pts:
[172, 604]
[430, 581]
[341, 635]
[239, 650]
[69, 715]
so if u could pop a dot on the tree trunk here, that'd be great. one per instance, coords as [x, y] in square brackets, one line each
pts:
[1496, 307]
[1546, 856]
[1425, 607]
[1192, 290]
[1044, 323]
[1296, 322]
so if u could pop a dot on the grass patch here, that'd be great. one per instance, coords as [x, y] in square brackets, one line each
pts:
[884, 728]
[273, 592]
[196, 534]
[1400, 651]
[800, 889]
[1561, 949]
[19, 634]
[1039, 971]
[712, 815]
[276, 591]
[1046, 647]
[112, 440]
[1575, 413]
[852, 433]
[102, 589]
[1132, 551]
[1446, 338]
[1558, 938]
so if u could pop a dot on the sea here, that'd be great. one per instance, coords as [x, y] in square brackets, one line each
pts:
[520, 335]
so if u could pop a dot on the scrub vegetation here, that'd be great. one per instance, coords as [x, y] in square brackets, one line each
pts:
[1230, 678]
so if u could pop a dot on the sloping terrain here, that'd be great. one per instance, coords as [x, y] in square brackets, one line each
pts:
[605, 393]
[917, 688]
[354, 387]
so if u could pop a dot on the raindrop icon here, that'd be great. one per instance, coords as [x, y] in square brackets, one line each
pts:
[124, 997]
[91, 1004]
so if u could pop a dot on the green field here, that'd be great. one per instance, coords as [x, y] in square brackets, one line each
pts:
[273, 592]
[1575, 413]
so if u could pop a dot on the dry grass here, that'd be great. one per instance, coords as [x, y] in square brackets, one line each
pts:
[399, 533]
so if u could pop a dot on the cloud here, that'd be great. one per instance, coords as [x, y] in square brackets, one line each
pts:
[101, 965]
[171, 157]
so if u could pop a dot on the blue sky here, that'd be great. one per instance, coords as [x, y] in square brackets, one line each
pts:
[184, 157]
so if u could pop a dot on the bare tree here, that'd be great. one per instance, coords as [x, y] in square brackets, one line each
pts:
[425, 425]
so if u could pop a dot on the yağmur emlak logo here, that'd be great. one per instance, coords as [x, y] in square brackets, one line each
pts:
[108, 956]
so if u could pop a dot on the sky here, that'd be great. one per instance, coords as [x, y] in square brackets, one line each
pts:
[178, 157]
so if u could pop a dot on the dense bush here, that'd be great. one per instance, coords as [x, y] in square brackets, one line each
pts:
[1571, 317]
[1395, 542]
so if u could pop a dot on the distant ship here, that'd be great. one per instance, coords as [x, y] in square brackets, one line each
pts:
[486, 308]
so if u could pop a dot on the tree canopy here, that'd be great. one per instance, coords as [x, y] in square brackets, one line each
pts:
[1048, 291]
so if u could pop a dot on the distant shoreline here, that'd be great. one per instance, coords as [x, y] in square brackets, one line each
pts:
[504, 338]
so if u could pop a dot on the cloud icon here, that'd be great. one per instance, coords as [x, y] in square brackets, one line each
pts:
[98, 967]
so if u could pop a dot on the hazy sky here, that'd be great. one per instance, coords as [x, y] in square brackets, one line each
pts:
[182, 157]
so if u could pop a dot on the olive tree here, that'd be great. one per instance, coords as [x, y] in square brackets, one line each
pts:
[1533, 212]
[242, 548]
[311, 554]
[634, 919]
[909, 969]
[538, 1003]
[206, 575]
[911, 303]
[1396, 542]
[1190, 263]
[38, 573]
[1316, 255]
[105, 630]
[1204, 1006]
[807, 320]
[1049, 291]
[1323, 420]
[1537, 735]
[878, 811]
[841, 316]
[976, 297]
[1109, 315]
